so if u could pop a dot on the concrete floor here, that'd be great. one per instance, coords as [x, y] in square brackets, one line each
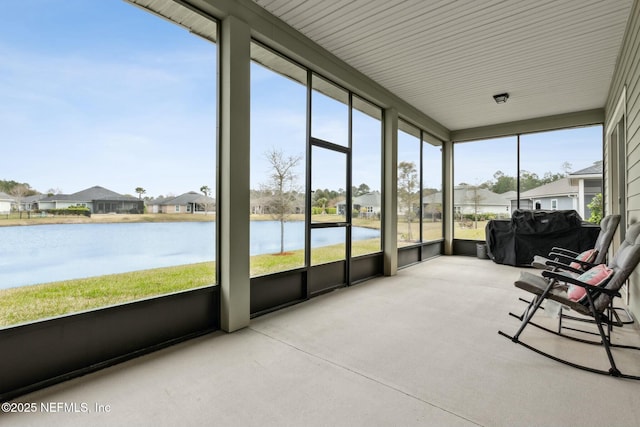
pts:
[419, 348]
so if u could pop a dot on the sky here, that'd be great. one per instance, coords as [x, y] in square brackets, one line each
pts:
[476, 162]
[102, 93]
[278, 120]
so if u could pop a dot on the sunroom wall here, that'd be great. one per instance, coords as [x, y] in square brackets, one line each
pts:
[626, 83]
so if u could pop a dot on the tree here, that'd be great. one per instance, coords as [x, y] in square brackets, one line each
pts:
[434, 210]
[19, 192]
[501, 183]
[332, 197]
[408, 193]
[322, 203]
[551, 177]
[595, 206]
[529, 180]
[360, 190]
[52, 191]
[281, 187]
[474, 197]
[6, 186]
[140, 192]
[208, 203]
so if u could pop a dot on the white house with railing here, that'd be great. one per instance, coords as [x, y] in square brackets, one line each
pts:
[5, 203]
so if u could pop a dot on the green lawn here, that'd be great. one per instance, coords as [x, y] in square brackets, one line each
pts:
[273, 263]
[470, 231]
[410, 236]
[27, 303]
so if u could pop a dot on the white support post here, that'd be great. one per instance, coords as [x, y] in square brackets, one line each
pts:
[447, 197]
[390, 217]
[234, 206]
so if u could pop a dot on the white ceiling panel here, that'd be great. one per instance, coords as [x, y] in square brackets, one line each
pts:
[448, 58]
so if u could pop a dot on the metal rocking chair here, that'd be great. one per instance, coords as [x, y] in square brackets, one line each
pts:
[597, 303]
[608, 227]
[569, 261]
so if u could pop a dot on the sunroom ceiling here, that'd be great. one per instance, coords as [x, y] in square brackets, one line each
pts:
[448, 58]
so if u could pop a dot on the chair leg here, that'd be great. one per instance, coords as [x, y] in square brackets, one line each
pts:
[560, 315]
[603, 336]
[598, 320]
[531, 310]
[628, 315]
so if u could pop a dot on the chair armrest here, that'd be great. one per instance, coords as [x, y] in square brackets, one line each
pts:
[585, 265]
[564, 257]
[564, 267]
[567, 252]
[568, 279]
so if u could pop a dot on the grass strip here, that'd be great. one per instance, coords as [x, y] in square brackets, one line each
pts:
[28, 303]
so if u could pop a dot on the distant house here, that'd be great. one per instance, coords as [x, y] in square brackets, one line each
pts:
[5, 203]
[557, 195]
[155, 205]
[261, 201]
[589, 181]
[190, 202]
[468, 199]
[366, 205]
[575, 192]
[98, 199]
[30, 203]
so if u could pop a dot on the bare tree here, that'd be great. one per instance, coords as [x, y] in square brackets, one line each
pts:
[475, 198]
[408, 193]
[18, 193]
[282, 187]
[52, 191]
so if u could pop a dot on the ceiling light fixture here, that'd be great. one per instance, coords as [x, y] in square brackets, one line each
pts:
[501, 98]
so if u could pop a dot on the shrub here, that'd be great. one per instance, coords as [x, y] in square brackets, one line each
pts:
[596, 209]
[71, 210]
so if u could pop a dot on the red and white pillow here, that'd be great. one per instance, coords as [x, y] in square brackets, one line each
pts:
[597, 276]
[586, 256]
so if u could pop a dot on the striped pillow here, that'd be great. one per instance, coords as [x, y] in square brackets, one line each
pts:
[597, 276]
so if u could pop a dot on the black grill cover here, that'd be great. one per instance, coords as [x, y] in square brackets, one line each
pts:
[531, 233]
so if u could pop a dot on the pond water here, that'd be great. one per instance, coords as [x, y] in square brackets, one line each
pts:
[47, 253]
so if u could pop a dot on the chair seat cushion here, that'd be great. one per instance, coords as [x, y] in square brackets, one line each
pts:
[540, 262]
[536, 284]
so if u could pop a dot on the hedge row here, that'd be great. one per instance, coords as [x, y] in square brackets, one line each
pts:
[318, 211]
[71, 210]
[479, 217]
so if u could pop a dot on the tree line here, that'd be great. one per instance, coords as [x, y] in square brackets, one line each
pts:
[11, 186]
[501, 182]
